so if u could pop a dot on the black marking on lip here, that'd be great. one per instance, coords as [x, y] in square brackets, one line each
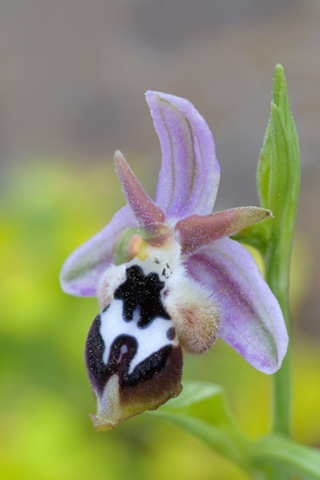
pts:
[119, 360]
[148, 368]
[143, 291]
[94, 354]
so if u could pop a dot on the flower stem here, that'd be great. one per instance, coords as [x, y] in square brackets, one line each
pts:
[277, 276]
[277, 263]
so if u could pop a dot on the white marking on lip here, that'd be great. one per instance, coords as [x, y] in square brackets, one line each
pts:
[149, 339]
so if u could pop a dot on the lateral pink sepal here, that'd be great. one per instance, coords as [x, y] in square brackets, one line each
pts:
[196, 231]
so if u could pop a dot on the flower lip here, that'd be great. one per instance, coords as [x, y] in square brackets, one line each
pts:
[132, 354]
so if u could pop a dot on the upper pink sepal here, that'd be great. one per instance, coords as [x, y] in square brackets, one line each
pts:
[143, 208]
[190, 172]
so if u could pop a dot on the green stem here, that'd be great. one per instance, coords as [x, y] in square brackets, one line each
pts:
[277, 262]
[277, 276]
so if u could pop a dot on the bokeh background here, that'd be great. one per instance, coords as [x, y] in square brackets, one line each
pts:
[72, 79]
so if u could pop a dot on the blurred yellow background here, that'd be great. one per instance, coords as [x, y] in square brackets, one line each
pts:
[72, 80]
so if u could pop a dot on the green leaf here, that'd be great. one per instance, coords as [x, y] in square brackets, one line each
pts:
[263, 168]
[202, 400]
[285, 171]
[219, 431]
[278, 173]
[214, 437]
[193, 392]
[255, 235]
[290, 456]
[202, 411]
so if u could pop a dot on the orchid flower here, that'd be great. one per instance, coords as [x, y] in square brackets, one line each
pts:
[168, 278]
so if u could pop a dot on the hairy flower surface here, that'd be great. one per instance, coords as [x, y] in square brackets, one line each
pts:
[168, 278]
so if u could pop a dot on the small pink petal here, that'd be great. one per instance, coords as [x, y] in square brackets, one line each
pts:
[143, 208]
[196, 231]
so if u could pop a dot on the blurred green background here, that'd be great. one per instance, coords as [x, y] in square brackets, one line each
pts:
[49, 208]
[72, 79]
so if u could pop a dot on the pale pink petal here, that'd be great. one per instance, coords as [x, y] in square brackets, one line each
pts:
[82, 270]
[251, 320]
